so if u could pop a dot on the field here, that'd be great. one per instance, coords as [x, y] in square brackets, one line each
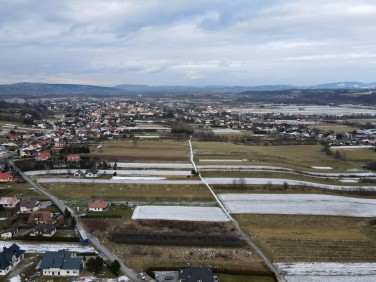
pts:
[302, 157]
[143, 256]
[310, 204]
[151, 192]
[357, 155]
[212, 214]
[298, 238]
[141, 150]
[21, 190]
[336, 127]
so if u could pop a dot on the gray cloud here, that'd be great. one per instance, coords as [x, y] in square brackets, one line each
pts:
[187, 42]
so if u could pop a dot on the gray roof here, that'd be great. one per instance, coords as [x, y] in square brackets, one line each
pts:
[60, 259]
[44, 228]
[195, 274]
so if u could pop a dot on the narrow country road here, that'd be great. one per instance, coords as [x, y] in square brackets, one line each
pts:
[92, 239]
[269, 264]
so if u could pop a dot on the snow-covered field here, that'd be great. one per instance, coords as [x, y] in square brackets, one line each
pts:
[314, 204]
[154, 165]
[352, 147]
[43, 247]
[111, 171]
[137, 178]
[332, 272]
[182, 213]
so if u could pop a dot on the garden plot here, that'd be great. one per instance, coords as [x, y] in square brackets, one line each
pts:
[213, 214]
[308, 204]
[318, 271]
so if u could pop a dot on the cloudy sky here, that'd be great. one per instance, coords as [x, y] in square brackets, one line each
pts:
[181, 42]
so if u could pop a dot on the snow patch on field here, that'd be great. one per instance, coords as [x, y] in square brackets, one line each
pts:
[137, 178]
[322, 167]
[43, 247]
[180, 213]
[314, 204]
[327, 268]
[223, 160]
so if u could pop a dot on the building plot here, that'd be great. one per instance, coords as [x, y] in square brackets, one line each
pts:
[213, 214]
[308, 204]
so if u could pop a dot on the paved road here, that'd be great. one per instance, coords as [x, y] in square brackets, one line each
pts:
[93, 240]
[269, 264]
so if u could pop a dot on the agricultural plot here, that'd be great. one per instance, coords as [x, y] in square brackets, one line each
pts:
[43, 247]
[300, 156]
[307, 238]
[336, 127]
[212, 214]
[124, 192]
[332, 272]
[141, 150]
[310, 204]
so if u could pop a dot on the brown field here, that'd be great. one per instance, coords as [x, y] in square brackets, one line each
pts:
[129, 192]
[357, 155]
[286, 238]
[336, 127]
[143, 256]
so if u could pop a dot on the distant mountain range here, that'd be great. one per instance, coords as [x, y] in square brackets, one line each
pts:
[44, 89]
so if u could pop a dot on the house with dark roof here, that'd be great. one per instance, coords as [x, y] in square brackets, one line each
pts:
[196, 274]
[60, 263]
[29, 205]
[44, 230]
[10, 258]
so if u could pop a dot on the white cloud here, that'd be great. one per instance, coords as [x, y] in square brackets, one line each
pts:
[184, 42]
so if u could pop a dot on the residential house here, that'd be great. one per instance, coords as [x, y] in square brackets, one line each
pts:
[8, 233]
[10, 258]
[98, 205]
[60, 263]
[194, 274]
[43, 156]
[29, 205]
[43, 229]
[60, 144]
[73, 158]
[15, 137]
[40, 217]
[6, 177]
[92, 173]
[9, 202]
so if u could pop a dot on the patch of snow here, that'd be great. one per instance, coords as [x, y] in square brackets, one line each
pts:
[326, 269]
[137, 178]
[301, 278]
[322, 167]
[313, 204]
[15, 279]
[3, 218]
[349, 180]
[43, 247]
[183, 213]
[352, 147]
[90, 279]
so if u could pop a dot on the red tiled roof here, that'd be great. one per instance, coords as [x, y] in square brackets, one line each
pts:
[98, 204]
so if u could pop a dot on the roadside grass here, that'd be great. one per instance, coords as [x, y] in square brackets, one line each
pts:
[129, 192]
[301, 157]
[305, 238]
[147, 150]
[336, 127]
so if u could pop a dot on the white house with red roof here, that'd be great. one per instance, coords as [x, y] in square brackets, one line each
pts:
[43, 156]
[9, 202]
[6, 177]
[73, 158]
[98, 205]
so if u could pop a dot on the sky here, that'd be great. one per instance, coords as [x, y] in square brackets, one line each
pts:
[180, 42]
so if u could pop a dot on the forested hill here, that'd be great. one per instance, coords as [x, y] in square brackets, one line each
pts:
[350, 93]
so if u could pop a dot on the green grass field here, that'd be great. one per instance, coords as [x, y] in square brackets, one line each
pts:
[142, 150]
[301, 157]
[336, 127]
[87, 191]
[300, 238]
